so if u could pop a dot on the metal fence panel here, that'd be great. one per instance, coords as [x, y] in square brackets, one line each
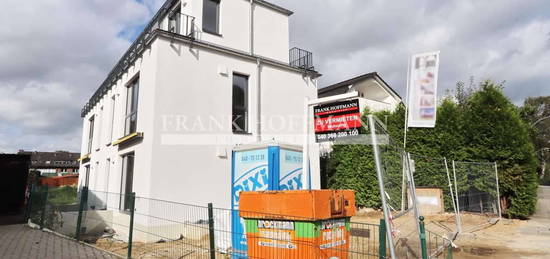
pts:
[477, 194]
[397, 192]
[435, 194]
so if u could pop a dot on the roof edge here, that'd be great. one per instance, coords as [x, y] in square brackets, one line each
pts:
[346, 82]
[350, 81]
[274, 7]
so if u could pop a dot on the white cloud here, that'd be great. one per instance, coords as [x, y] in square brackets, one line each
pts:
[498, 39]
[53, 55]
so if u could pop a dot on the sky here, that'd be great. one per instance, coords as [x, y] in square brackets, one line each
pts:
[55, 53]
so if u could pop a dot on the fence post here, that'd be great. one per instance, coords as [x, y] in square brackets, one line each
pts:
[457, 200]
[211, 231]
[498, 193]
[382, 239]
[423, 238]
[131, 230]
[81, 205]
[450, 252]
[43, 215]
[29, 204]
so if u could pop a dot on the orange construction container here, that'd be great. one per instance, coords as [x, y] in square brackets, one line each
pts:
[297, 224]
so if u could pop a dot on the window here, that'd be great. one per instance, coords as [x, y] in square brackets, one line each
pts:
[87, 176]
[211, 16]
[240, 103]
[131, 107]
[99, 127]
[113, 102]
[90, 134]
[127, 179]
[174, 21]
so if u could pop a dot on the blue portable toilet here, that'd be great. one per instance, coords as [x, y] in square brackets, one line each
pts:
[262, 167]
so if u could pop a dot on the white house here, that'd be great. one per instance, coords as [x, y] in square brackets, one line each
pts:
[203, 77]
[373, 91]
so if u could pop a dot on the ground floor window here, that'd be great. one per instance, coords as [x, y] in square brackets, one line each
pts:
[127, 179]
[87, 179]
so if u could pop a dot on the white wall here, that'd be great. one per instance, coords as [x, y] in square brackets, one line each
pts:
[178, 80]
[189, 83]
[271, 28]
[146, 67]
[271, 34]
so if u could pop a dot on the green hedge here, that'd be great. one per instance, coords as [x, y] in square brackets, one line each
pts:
[483, 125]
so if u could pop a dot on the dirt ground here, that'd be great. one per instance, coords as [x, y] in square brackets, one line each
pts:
[192, 249]
[481, 236]
[503, 239]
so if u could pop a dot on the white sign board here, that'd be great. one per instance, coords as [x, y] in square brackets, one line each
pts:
[422, 99]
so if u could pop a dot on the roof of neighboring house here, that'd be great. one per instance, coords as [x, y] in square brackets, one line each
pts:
[342, 87]
[58, 159]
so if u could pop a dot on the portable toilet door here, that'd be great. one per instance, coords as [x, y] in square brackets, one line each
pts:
[252, 170]
[262, 167]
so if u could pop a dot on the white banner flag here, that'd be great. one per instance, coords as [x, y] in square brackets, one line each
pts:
[422, 99]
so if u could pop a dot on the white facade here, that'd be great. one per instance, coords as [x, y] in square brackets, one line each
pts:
[185, 105]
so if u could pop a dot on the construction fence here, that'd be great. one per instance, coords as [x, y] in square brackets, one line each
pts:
[139, 227]
[424, 194]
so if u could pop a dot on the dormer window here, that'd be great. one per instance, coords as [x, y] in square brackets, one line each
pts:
[211, 16]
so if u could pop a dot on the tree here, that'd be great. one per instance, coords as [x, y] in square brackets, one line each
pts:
[494, 131]
[536, 113]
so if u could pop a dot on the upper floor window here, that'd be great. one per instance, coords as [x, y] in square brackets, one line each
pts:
[90, 134]
[211, 16]
[131, 107]
[113, 103]
[240, 103]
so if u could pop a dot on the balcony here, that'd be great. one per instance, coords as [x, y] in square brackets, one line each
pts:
[182, 24]
[300, 58]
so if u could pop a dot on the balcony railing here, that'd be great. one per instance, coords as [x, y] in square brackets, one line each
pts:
[182, 24]
[300, 58]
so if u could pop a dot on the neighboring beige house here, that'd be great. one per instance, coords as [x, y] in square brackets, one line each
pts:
[373, 91]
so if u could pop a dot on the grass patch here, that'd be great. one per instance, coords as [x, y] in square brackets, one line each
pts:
[64, 195]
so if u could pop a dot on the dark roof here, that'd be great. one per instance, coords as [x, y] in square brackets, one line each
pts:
[341, 87]
[58, 159]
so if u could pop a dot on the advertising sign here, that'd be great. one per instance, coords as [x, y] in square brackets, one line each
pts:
[324, 239]
[277, 234]
[333, 233]
[337, 120]
[422, 99]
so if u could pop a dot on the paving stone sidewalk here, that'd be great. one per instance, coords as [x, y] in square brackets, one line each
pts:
[21, 241]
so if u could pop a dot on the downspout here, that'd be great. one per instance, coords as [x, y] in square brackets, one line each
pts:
[259, 100]
[251, 27]
[258, 77]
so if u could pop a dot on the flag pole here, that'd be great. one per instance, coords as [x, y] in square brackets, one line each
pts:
[403, 179]
[407, 105]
